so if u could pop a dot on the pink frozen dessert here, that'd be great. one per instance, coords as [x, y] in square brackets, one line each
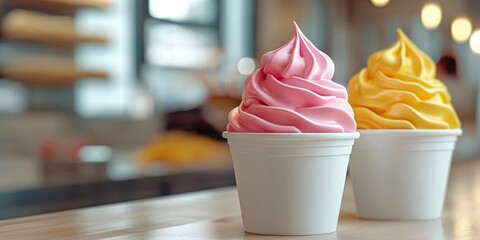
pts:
[293, 92]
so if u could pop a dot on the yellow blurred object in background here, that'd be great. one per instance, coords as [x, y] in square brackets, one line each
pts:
[183, 148]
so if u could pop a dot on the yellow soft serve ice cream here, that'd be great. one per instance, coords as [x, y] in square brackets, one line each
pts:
[399, 90]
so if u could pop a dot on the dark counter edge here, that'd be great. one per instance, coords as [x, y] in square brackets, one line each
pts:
[59, 198]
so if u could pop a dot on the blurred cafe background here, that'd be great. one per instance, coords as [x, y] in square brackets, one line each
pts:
[105, 101]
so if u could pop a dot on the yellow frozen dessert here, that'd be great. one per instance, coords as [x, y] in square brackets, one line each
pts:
[399, 90]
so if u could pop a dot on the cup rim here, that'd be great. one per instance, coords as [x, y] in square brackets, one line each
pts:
[290, 136]
[411, 132]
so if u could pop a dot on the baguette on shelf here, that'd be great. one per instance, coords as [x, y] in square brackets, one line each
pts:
[43, 28]
[46, 70]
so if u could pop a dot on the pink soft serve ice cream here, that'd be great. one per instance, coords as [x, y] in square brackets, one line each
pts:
[293, 92]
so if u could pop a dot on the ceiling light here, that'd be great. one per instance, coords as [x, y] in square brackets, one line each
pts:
[461, 29]
[380, 3]
[475, 41]
[431, 15]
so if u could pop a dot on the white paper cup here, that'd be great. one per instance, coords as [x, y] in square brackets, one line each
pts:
[290, 184]
[401, 174]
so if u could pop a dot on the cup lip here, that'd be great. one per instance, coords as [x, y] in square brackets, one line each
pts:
[290, 136]
[411, 132]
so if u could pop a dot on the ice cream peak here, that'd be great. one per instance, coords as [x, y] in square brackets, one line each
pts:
[399, 90]
[292, 92]
[299, 57]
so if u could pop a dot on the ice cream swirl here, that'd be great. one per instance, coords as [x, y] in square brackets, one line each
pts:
[399, 90]
[292, 92]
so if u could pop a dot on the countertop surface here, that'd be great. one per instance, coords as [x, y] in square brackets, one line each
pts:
[215, 214]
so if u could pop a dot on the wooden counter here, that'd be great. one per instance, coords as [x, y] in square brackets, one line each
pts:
[215, 214]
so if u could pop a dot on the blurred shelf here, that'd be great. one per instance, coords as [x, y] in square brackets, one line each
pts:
[55, 6]
[80, 3]
[37, 27]
[47, 70]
